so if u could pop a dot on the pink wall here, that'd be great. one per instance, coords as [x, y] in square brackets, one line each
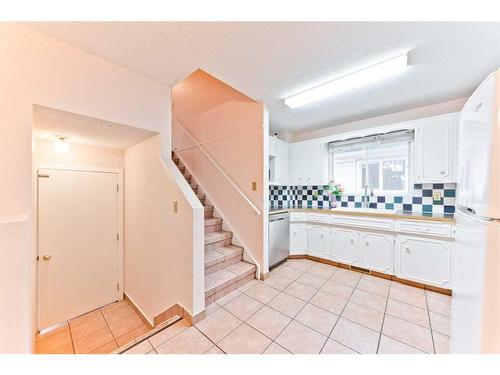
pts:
[160, 262]
[230, 127]
[36, 69]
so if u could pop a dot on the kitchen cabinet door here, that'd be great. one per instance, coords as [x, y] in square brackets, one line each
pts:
[282, 163]
[345, 246]
[435, 151]
[377, 251]
[424, 260]
[272, 146]
[318, 241]
[298, 239]
[309, 163]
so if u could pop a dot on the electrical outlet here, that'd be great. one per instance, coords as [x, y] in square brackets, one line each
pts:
[436, 196]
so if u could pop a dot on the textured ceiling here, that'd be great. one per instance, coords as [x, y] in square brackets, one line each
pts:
[85, 130]
[271, 60]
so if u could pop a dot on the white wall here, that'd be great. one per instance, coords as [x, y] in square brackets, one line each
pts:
[77, 156]
[392, 118]
[36, 69]
[163, 254]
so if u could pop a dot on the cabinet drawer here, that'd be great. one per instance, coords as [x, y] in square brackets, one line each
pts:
[319, 218]
[425, 227]
[298, 216]
[362, 222]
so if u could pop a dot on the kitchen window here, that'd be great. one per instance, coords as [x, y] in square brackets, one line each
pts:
[380, 160]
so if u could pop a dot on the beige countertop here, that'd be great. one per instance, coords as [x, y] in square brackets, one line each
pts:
[389, 214]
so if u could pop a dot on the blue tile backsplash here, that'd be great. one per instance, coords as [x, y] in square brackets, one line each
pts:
[419, 200]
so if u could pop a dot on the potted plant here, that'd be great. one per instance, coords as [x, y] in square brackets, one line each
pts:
[334, 190]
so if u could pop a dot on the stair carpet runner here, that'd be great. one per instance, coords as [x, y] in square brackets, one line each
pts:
[225, 269]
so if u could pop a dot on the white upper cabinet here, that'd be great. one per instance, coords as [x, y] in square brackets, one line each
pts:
[279, 162]
[282, 163]
[309, 163]
[272, 146]
[435, 151]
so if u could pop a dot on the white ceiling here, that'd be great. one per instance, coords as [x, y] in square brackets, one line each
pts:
[271, 60]
[50, 122]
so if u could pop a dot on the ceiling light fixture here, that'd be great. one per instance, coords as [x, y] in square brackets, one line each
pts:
[350, 81]
[60, 144]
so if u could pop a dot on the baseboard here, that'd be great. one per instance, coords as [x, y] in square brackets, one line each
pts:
[178, 310]
[137, 310]
[381, 275]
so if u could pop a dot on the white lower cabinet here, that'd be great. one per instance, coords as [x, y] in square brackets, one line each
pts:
[345, 246]
[318, 241]
[298, 238]
[377, 251]
[420, 258]
[424, 260]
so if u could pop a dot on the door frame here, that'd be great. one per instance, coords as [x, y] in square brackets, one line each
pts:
[119, 229]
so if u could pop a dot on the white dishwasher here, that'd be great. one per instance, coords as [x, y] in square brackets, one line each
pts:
[279, 237]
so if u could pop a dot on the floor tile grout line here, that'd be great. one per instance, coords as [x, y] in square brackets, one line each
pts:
[291, 318]
[383, 319]
[208, 338]
[307, 302]
[71, 336]
[340, 316]
[170, 338]
[109, 328]
[430, 323]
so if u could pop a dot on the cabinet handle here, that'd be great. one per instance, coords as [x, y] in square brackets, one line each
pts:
[367, 243]
[407, 249]
[352, 241]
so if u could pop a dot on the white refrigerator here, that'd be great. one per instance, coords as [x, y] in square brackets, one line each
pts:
[475, 314]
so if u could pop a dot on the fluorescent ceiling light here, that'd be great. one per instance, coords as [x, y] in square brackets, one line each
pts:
[362, 77]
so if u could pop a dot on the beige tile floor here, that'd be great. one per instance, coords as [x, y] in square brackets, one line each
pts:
[308, 307]
[97, 332]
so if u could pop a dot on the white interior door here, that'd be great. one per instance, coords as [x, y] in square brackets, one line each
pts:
[77, 243]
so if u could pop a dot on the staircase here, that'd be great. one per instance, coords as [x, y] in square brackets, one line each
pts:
[225, 269]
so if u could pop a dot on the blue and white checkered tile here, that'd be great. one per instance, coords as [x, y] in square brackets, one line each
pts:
[421, 199]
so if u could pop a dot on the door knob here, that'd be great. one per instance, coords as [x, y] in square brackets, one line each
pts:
[46, 257]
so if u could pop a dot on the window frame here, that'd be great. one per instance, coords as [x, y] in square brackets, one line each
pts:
[408, 171]
[380, 161]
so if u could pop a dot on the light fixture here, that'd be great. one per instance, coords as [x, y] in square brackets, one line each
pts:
[60, 144]
[350, 81]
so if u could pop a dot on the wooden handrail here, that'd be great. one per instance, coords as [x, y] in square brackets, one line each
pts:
[218, 167]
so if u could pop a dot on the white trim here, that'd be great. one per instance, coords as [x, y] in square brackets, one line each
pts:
[120, 218]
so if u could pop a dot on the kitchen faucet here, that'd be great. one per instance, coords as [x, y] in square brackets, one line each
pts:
[366, 203]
